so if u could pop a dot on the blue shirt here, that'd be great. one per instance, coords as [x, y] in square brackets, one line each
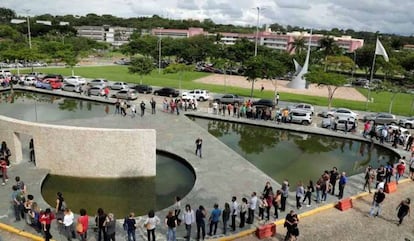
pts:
[343, 180]
[215, 215]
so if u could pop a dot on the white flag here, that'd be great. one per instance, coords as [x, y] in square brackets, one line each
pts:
[380, 50]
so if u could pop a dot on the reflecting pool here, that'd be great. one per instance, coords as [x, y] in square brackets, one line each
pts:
[31, 106]
[123, 195]
[296, 156]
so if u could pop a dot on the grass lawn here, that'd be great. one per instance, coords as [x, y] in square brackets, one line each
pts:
[402, 103]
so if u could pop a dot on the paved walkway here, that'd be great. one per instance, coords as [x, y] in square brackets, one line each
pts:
[220, 174]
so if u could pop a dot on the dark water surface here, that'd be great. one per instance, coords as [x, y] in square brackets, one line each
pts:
[293, 155]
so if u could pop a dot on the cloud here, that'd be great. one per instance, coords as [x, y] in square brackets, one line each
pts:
[391, 16]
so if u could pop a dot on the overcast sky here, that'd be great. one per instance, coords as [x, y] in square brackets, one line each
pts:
[386, 16]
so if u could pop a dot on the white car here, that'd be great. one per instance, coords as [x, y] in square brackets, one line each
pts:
[300, 116]
[119, 86]
[343, 113]
[71, 88]
[407, 123]
[201, 95]
[29, 80]
[303, 106]
[75, 80]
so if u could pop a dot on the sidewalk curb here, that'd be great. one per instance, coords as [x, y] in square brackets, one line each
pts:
[19, 232]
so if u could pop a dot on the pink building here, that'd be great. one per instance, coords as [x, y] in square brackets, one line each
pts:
[266, 38]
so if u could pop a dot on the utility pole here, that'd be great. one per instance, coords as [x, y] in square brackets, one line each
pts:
[257, 31]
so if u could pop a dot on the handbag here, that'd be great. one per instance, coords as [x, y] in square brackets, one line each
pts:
[79, 228]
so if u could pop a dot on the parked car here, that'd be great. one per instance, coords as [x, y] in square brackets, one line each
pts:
[48, 84]
[171, 92]
[53, 76]
[264, 102]
[126, 94]
[381, 119]
[28, 80]
[300, 116]
[405, 133]
[343, 113]
[201, 95]
[119, 86]
[102, 82]
[338, 123]
[186, 96]
[146, 89]
[5, 73]
[303, 106]
[71, 88]
[97, 90]
[407, 122]
[76, 80]
[230, 99]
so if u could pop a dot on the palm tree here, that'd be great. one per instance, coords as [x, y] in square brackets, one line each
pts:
[297, 45]
[329, 47]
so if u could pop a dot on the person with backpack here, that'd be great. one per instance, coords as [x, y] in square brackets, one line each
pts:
[131, 226]
[82, 225]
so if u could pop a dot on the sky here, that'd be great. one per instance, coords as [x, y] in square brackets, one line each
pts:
[385, 16]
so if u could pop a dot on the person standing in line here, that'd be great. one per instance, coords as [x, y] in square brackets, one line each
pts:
[400, 170]
[67, 223]
[99, 221]
[276, 203]
[410, 140]
[334, 175]
[3, 166]
[199, 143]
[308, 193]
[285, 194]
[131, 226]
[201, 224]
[171, 224]
[318, 189]
[262, 207]
[214, 219]
[189, 219]
[153, 105]
[300, 193]
[226, 217]
[83, 219]
[243, 210]
[403, 209]
[60, 206]
[142, 105]
[342, 182]
[46, 219]
[110, 226]
[412, 167]
[252, 208]
[17, 202]
[150, 224]
[369, 178]
[5, 152]
[234, 210]
[379, 197]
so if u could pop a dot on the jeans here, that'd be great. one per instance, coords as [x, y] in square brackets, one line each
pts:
[283, 203]
[374, 206]
[398, 176]
[225, 227]
[150, 232]
[201, 227]
[250, 217]
[188, 235]
[102, 234]
[318, 195]
[233, 222]
[198, 150]
[213, 225]
[242, 219]
[16, 209]
[341, 190]
[131, 235]
[171, 234]
[298, 204]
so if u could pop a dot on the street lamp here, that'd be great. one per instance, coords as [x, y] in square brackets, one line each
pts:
[159, 50]
[257, 30]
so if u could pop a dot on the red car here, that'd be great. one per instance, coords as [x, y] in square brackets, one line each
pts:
[54, 83]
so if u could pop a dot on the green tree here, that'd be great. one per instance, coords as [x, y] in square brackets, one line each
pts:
[180, 69]
[71, 59]
[297, 46]
[6, 15]
[342, 63]
[262, 67]
[331, 80]
[142, 66]
[328, 47]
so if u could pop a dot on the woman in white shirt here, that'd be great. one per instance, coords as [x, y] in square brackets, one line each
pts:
[150, 223]
[189, 219]
[68, 224]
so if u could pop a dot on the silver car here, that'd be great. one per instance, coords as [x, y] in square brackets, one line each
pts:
[95, 82]
[71, 88]
[303, 117]
[119, 86]
[97, 90]
[407, 123]
[126, 94]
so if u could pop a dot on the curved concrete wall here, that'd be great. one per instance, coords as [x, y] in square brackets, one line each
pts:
[84, 152]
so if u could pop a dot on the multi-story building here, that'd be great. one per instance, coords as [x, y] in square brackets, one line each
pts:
[266, 38]
[409, 47]
[116, 36]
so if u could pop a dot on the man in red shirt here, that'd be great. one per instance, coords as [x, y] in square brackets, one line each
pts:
[106, 91]
[400, 170]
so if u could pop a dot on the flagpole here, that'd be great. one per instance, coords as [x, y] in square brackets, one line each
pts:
[370, 80]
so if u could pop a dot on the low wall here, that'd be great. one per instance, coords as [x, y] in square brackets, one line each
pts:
[84, 152]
